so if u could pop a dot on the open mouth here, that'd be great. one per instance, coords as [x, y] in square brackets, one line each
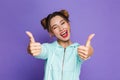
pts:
[64, 34]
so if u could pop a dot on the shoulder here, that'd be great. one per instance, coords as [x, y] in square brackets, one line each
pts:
[75, 44]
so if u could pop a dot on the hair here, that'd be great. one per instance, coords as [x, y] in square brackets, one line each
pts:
[46, 21]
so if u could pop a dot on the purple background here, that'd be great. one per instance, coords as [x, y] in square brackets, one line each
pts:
[101, 17]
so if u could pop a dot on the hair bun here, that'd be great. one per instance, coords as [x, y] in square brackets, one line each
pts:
[64, 12]
[43, 22]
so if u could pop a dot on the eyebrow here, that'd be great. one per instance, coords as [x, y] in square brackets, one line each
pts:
[56, 24]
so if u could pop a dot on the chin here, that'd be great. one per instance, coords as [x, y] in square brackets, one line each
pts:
[65, 39]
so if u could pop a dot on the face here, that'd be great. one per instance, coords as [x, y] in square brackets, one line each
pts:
[60, 28]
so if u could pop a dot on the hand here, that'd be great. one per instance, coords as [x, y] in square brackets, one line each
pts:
[85, 51]
[34, 48]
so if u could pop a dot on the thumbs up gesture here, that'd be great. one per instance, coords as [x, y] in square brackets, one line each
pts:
[34, 48]
[85, 51]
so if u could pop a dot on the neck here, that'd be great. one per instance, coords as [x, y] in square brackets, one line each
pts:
[64, 44]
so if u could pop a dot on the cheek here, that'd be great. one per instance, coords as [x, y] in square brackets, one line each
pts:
[55, 32]
[67, 26]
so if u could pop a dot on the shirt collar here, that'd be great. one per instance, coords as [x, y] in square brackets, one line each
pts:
[72, 45]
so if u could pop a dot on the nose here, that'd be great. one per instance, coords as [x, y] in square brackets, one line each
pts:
[61, 28]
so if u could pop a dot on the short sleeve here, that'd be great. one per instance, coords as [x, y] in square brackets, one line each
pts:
[44, 51]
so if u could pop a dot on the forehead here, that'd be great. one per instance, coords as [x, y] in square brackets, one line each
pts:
[56, 19]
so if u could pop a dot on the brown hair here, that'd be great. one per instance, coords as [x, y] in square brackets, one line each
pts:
[46, 21]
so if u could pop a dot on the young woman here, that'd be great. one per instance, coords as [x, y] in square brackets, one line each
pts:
[63, 57]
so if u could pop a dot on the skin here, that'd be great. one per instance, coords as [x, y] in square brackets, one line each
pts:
[58, 26]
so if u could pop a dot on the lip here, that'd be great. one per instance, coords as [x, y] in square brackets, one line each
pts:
[64, 34]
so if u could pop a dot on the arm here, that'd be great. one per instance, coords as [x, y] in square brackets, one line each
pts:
[36, 49]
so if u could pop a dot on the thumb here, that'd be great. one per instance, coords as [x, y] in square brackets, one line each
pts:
[89, 39]
[30, 36]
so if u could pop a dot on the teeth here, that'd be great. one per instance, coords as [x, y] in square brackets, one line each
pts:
[63, 33]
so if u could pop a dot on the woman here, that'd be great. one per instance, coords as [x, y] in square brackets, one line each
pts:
[63, 57]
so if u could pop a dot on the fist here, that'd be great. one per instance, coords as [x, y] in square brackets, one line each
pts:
[34, 48]
[85, 51]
